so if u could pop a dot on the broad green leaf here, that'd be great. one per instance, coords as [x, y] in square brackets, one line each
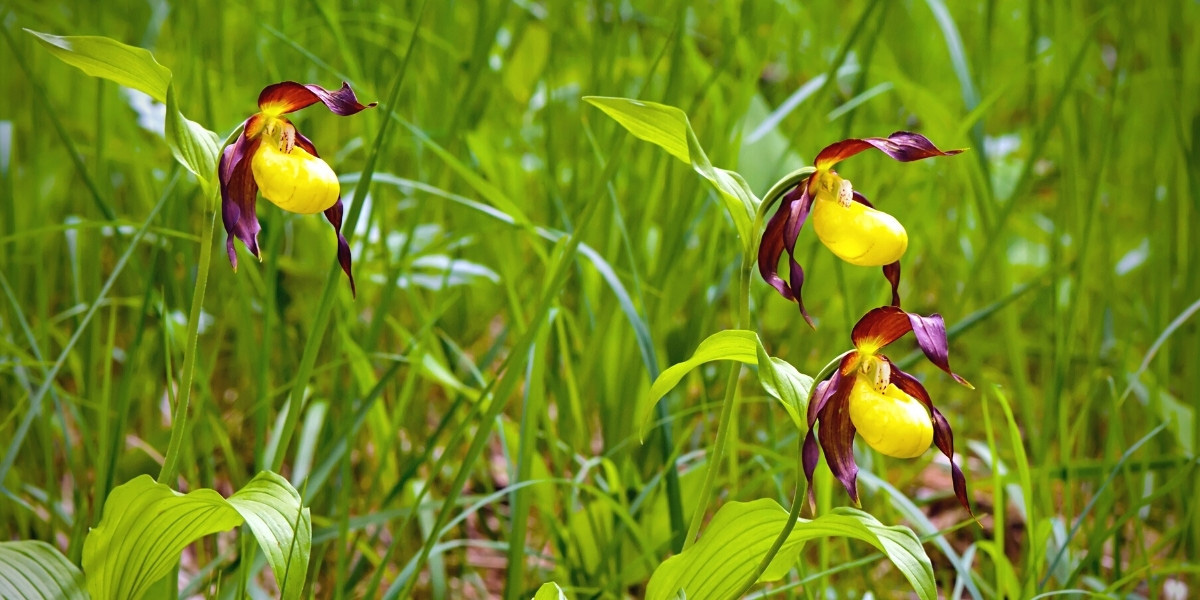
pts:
[144, 528]
[779, 379]
[731, 344]
[109, 59]
[272, 509]
[194, 146]
[787, 385]
[662, 125]
[741, 533]
[668, 128]
[550, 591]
[35, 570]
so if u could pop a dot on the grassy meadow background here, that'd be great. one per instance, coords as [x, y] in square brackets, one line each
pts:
[1059, 250]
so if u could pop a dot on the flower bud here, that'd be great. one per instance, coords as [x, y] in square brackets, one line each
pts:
[295, 181]
[891, 422]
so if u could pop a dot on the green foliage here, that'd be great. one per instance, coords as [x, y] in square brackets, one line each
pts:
[34, 570]
[454, 432]
[146, 525]
[109, 59]
[273, 511]
[780, 379]
[549, 591]
[740, 534]
[668, 128]
[194, 146]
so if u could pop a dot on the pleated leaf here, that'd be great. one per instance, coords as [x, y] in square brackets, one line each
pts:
[272, 509]
[35, 570]
[144, 528]
[741, 533]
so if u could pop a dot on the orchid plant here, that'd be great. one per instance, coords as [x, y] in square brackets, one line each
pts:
[859, 392]
[271, 155]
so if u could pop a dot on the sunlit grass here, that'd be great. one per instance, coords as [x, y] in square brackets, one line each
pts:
[464, 427]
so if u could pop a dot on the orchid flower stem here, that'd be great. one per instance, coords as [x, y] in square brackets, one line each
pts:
[726, 420]
[801, 488]
[793, 517]
[179, 414]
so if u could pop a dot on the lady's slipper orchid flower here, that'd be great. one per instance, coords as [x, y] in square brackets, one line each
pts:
[845, 221]
[869, 395]
[272, 156]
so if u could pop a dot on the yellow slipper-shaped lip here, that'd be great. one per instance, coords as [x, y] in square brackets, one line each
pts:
[297, 181]
[893, 422]
[858, 234]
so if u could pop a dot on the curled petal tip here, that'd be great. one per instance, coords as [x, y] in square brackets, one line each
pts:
[804, 313]
[334, 216]
[289, 96]
[904, 146]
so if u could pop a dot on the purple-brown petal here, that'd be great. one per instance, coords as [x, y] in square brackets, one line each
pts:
[903, 146]
[861, 199]
[880, 327]
[238, 195]
[943, 436]
[796, 275]
[830, 409]
[826, 389]
[819, 398]
[305, 143]
[769, 251]
[334, 215]
[837, 437]
[931, 337]
[809, 456]
[828, 394]
[891, 272]
[798, 211]
[780, 234]
[289, 96]
[243, 148]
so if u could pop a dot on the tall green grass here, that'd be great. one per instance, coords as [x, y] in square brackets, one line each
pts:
[464, 427]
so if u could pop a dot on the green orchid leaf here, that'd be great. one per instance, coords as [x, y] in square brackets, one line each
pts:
[144, 528]
[194, 146]
[741, 533]
[550, 591]
[779, 379]
[662, 125]
[787, 385]
[272, 509]
[35, 570]
[109, 59]
[669, 128]
[731, 344]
